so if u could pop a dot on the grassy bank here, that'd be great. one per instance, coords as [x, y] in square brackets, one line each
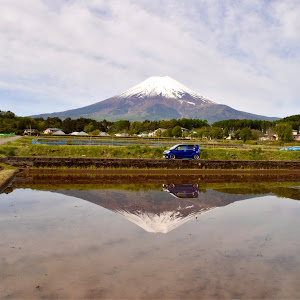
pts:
[23, 147]
[6, 173]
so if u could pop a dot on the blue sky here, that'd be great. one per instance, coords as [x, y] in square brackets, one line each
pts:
[59, 55]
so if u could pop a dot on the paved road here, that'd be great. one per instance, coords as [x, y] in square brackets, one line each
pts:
[9, 139]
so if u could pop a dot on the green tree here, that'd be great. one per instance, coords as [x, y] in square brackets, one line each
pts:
[94, 132]
[226, 132]
[122, 125]
[216, 133]
[167, 133]
[284, 132]
[158, 133]
[256, 134]
[88, 128]
[246, 134]
[136, 127]
[68, 125]
[176, 131]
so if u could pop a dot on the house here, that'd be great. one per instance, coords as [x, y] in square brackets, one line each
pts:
[79, 133]
[154, 133]
[29, 131]
[143, 135]
[296, 137]
[267, 137]
[121, 134]
[229, 137]
[51, 130]
[103, 133]
[184, 130]
[58, 132]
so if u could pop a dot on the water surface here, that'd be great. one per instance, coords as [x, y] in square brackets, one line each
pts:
[123, 241]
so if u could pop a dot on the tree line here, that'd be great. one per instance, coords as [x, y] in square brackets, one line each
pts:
[238, 129]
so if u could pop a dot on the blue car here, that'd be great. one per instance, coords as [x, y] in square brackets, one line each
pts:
[182, 190]
[181, 151]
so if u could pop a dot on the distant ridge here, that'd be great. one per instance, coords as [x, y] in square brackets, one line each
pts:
[157, 98]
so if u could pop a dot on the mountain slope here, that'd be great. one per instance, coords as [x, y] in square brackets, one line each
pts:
[157, 98]
[156, 211]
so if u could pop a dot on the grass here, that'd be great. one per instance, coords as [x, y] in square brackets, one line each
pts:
[6, 172]
[23, 147]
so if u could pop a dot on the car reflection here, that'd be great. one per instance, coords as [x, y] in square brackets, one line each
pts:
[156, 208]
[182, 190]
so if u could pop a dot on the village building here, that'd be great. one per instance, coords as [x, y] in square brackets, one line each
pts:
[51, 130]
[144, 134]
[184, 130]
[29, 131]
[296, 135]
[154, 133]
[103, 133]
[58, 132]
[121, 134]
[79, 133]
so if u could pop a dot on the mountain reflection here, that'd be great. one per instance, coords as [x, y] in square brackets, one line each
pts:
[158, 211]
[156, 206]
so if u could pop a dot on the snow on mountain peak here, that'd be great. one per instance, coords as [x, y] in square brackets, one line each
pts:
[163, 222]
[162, 86]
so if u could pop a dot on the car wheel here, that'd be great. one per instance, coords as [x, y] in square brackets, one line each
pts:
[196, 156]
[172, 156]
[195, 185]
[172, 186]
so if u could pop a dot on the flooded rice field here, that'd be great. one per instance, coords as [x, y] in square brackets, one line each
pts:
[149, 237]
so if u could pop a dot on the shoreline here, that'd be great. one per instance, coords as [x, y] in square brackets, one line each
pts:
[6, 177]
[145, 164]
[137, 172]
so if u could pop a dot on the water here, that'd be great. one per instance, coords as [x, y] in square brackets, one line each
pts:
[129, 241]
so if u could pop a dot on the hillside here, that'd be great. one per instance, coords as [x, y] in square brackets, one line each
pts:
[157, 98]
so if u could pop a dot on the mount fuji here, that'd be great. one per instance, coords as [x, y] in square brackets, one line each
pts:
[158, 211]
[157, 98]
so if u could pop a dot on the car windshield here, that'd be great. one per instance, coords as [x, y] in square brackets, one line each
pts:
[172, 148]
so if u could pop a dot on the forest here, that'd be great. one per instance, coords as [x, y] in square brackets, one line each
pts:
[238, 129]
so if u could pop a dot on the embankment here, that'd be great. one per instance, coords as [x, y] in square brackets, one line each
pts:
[59, 162]
[6, 176]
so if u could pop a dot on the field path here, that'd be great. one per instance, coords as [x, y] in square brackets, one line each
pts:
[9, 139]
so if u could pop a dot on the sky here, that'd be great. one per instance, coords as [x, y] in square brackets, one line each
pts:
[59, 55]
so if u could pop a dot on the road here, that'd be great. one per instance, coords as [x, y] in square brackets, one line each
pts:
[9, 139]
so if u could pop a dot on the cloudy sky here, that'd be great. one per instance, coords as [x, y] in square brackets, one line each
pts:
[59, 55]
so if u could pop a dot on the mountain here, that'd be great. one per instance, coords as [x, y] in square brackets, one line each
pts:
[156, 211]
[157, 98]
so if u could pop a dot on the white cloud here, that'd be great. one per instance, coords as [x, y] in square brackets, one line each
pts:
[74, 53]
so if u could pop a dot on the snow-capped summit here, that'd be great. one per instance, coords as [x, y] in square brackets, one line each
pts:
[166, 87]
[157, 98]
[162, 222]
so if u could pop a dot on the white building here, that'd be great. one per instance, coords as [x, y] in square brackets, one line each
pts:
[58, 132]
[79, 133]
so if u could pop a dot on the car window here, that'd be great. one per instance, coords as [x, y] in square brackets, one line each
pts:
[181, 147]
[190, 147]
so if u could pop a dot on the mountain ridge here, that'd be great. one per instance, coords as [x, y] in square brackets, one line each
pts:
[157, 98]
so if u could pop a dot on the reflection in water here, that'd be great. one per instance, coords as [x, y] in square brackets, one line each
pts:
[69, 243]
[182, 190]
[155, 211]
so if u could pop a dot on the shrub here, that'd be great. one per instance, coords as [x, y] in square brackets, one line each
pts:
[203, 154]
